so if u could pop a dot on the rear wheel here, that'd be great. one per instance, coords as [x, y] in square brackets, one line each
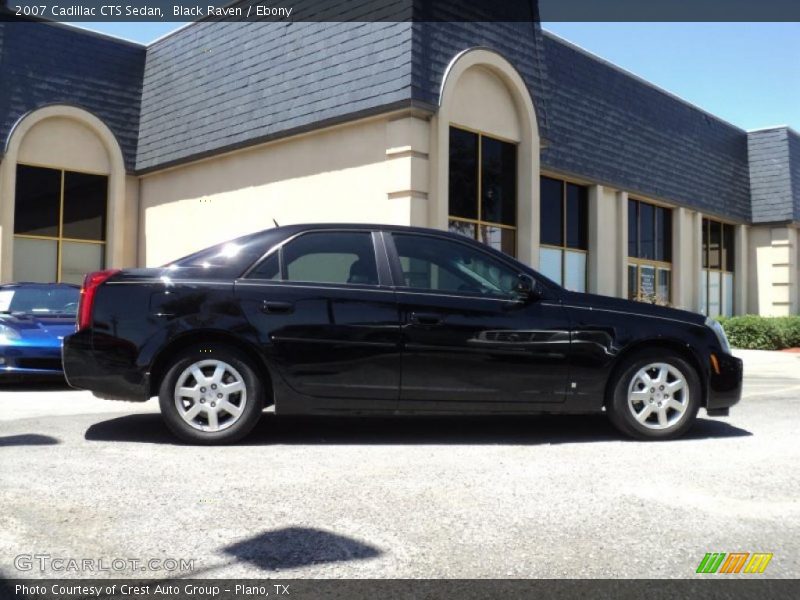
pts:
[211, 396]
[656, 396]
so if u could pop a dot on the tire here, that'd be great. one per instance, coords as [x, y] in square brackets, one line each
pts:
[641, 409]
[222, 396]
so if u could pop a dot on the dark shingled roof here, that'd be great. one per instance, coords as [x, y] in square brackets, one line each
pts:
[609, 126]
[774, 174]
[216, 86]
[44, 63]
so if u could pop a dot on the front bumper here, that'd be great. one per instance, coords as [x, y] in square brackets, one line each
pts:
[725, 386]
[18, 362]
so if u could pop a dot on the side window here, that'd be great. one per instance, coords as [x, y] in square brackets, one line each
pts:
[269, 268]
[329, 257]
[447, 266]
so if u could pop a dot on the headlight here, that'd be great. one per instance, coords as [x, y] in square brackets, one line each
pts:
[714, 325]
[8, 333]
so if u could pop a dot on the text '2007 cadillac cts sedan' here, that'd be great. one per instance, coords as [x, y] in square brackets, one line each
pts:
[371, 319]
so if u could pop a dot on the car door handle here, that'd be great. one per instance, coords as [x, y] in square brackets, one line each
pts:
[271, 307]
[425, 318]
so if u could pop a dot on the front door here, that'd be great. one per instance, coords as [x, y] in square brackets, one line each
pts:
[326, 321]
[469, 341]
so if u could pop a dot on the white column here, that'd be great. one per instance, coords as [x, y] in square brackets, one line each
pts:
[621, 254]
[783, 272]
[686, 258]
[741, 275]
[605, 228]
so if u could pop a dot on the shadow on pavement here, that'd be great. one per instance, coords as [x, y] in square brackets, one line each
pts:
[297, 547]
[530, 430]
[28, 439]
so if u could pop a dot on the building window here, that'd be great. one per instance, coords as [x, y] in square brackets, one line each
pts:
[564, 232]
[483, 189]
[716, 278]
[649, 252]
[59, 224]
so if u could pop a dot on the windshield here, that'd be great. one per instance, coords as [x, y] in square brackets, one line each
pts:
[62, 301]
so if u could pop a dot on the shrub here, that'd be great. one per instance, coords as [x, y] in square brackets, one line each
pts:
[790, 331]
[762, 333]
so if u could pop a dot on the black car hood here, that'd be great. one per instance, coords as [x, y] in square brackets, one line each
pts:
[631, 307]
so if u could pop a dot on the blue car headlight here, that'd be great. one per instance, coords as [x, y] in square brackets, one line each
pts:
[714, 325]
[8, 334]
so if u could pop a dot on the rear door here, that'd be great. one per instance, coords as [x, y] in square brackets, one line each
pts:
[326, 315]
[469, 341]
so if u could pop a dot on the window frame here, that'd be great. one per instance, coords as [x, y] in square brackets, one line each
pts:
[479, 221]
[564, 248]
[378, 249]
[724, 269]
[638, 262]
[60, 238]
[399, 279]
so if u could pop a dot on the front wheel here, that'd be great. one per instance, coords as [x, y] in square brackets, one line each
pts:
[211, 396]
[656, 396]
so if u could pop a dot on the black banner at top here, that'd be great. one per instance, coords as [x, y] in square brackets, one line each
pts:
[402, 10]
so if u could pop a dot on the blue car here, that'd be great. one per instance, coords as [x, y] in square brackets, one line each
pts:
[34, 318]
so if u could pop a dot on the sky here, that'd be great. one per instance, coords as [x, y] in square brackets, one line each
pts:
[745, 73]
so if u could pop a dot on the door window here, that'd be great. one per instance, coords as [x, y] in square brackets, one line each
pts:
[564, 232]
[341, 257]
[649, 252]
[431, 263]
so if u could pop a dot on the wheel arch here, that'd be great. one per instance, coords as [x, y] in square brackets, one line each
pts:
[161, 361]
[680, 348]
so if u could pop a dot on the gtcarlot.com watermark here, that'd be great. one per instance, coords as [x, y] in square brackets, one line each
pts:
[69, 564]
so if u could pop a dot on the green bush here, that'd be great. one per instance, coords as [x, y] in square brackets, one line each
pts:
[790, 331]
[762, 333]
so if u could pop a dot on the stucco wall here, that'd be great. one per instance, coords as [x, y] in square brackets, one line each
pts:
[335, 175]
[62, 143]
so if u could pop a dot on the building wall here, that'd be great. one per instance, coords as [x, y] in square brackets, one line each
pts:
[365, 140]
[773, 254]
[352, 173]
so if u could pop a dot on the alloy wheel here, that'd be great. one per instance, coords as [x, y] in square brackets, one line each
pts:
[210, 395]
[658, 395]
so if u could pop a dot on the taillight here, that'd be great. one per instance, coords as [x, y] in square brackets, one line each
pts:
[90, 284]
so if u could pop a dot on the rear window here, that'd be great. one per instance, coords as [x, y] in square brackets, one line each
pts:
[227, 260]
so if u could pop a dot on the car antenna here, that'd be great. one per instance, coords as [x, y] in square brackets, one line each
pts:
[274, 221]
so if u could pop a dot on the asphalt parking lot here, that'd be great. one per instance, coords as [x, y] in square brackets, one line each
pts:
[324, 498]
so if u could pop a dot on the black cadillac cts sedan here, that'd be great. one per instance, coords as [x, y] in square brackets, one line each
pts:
[372, 319]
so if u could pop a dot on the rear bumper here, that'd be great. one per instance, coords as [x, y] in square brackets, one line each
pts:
[87, 367]
[725, 387]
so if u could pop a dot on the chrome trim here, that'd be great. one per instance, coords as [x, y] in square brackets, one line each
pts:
[622, 312]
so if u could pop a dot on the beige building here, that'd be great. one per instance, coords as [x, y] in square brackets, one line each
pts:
[119, 155]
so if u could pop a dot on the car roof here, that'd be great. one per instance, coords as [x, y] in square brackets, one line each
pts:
[289, 230]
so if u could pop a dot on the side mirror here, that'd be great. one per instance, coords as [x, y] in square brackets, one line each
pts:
[528, 288]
